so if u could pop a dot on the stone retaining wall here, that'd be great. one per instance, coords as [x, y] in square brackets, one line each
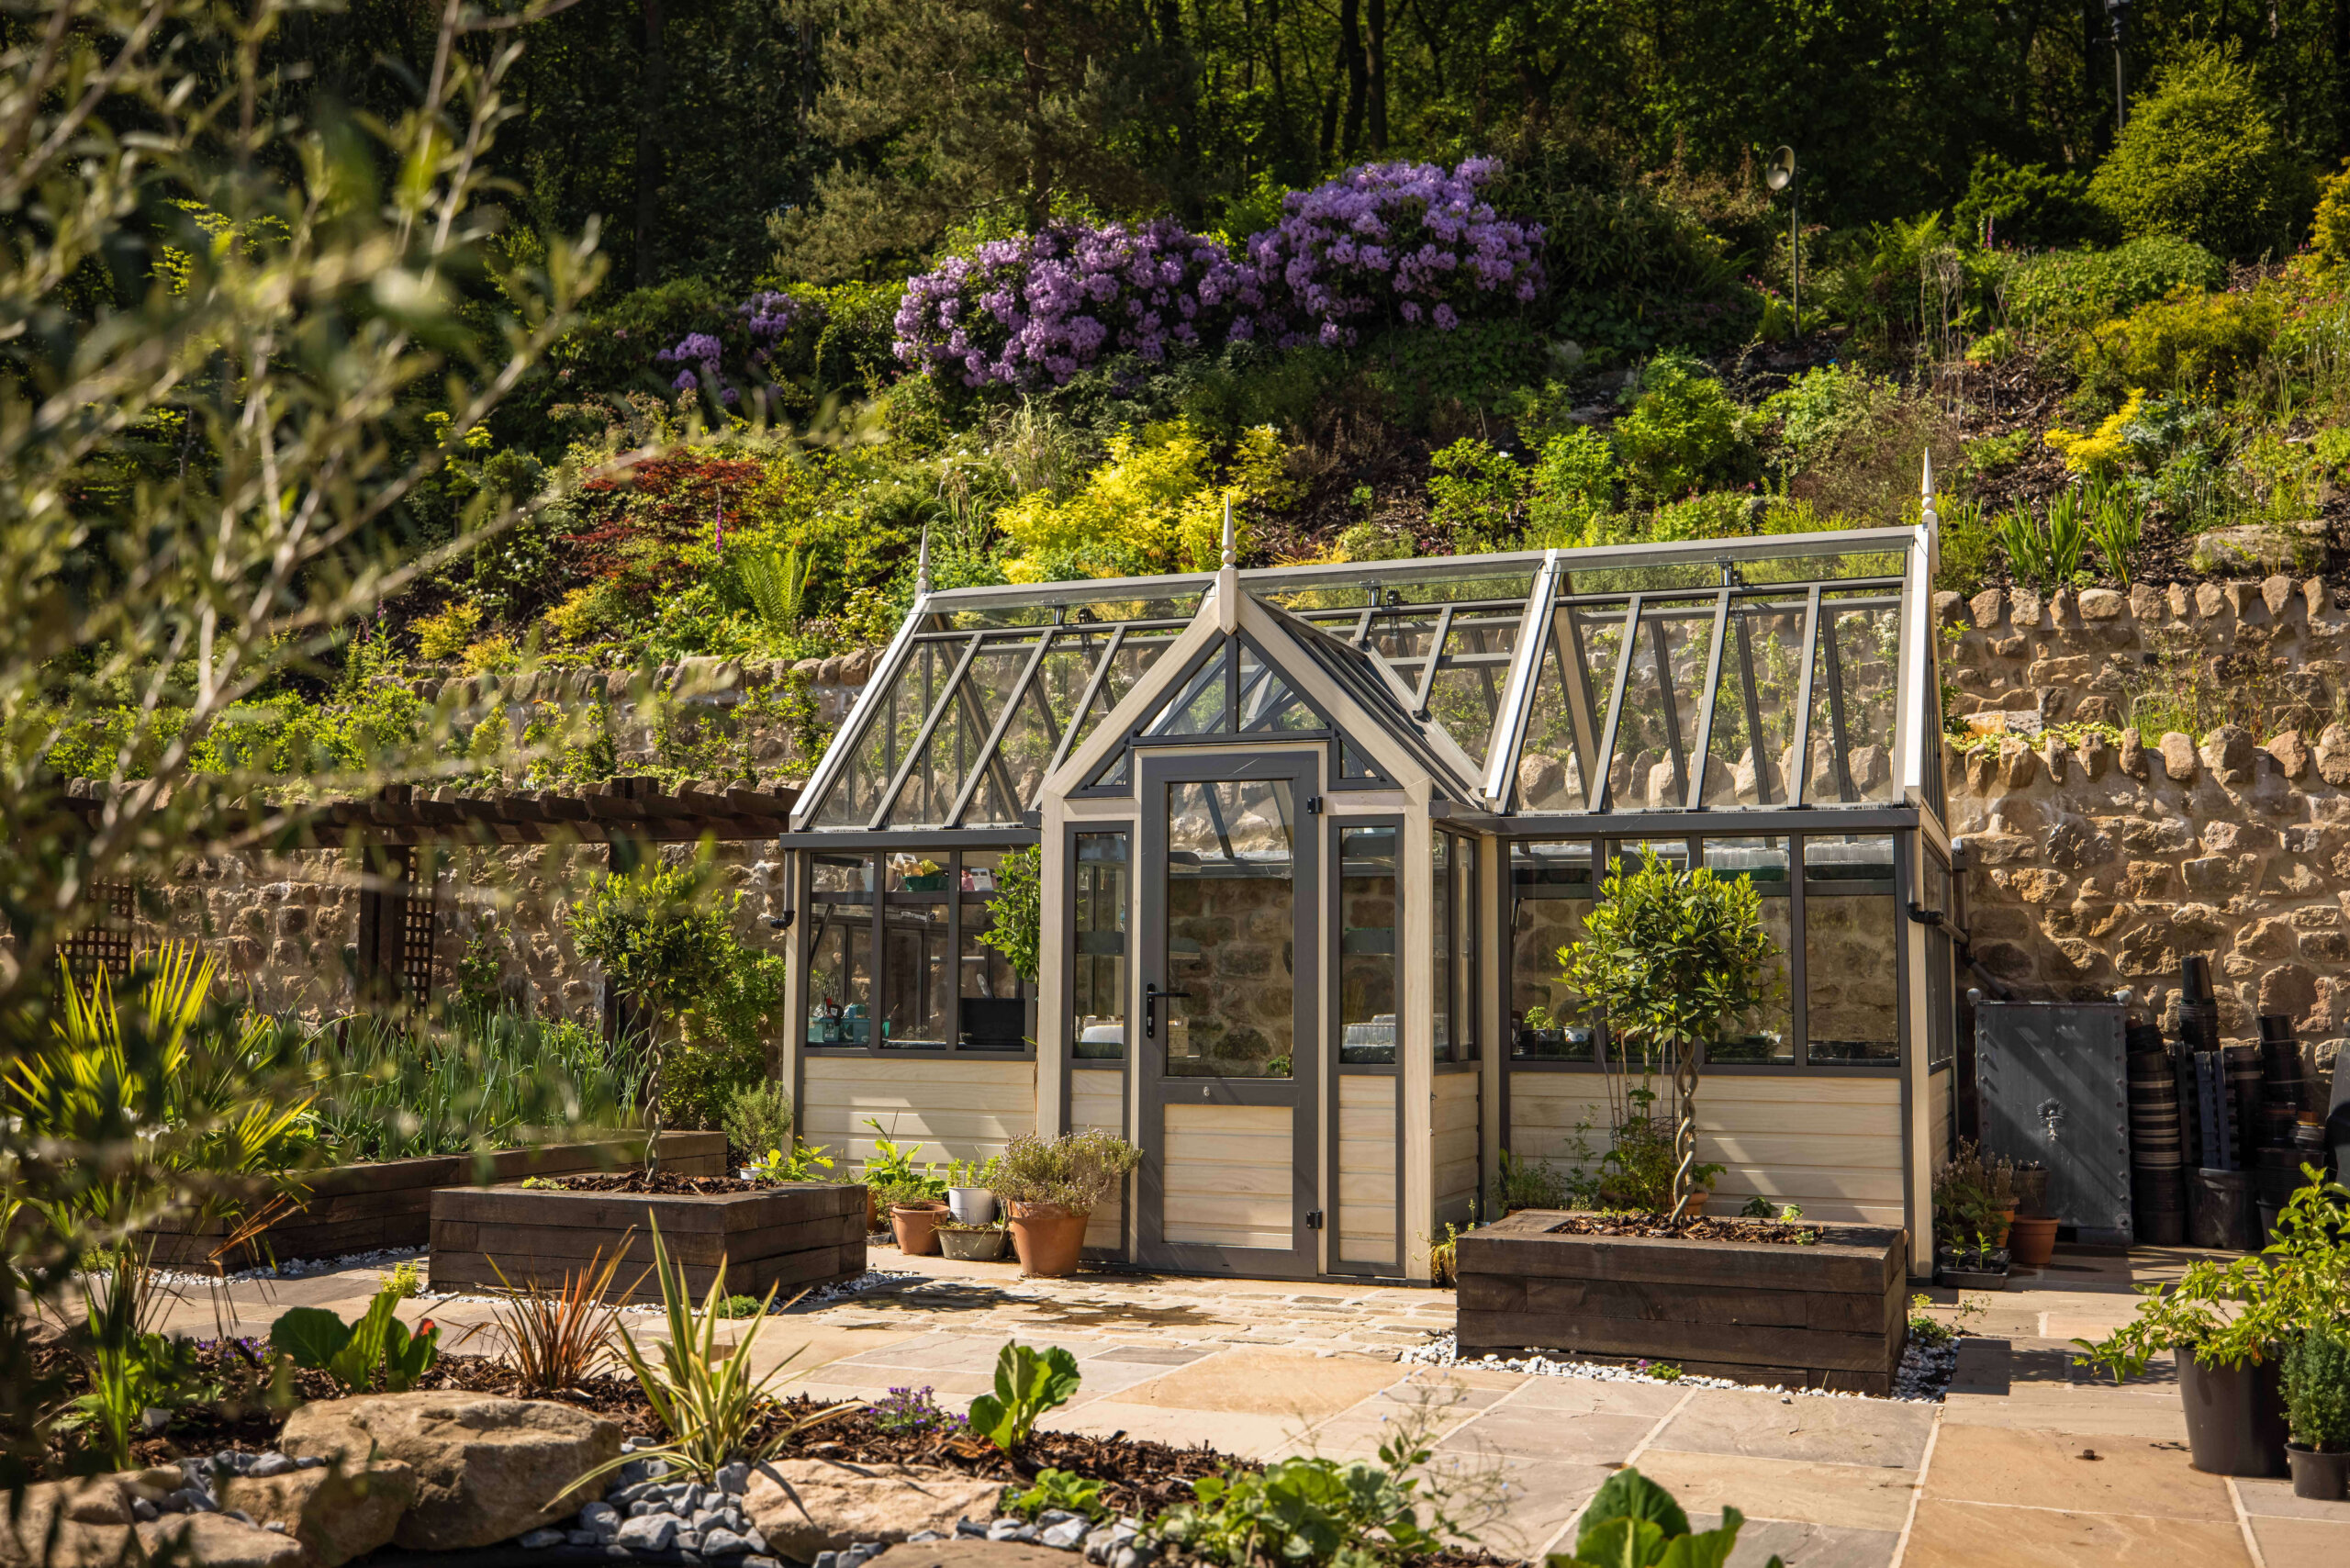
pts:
[2101, 862]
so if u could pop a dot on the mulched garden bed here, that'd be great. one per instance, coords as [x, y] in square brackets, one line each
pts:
[660, 1184]
[1756, 1232]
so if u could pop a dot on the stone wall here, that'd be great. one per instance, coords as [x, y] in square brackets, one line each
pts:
[2099, 863]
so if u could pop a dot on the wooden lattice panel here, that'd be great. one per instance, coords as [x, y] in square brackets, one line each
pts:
[105, 941]
[417, 926]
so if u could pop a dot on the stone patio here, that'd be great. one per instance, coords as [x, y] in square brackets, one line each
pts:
[2028, 1463]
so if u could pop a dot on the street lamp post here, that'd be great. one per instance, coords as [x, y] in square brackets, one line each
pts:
[2119, 12]
[1781, 177]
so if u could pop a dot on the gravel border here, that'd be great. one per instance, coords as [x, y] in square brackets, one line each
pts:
[1922, 1378]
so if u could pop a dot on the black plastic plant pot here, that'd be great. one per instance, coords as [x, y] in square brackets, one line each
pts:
[1971, 1279]
[2235, 1417]
[2322, 1476]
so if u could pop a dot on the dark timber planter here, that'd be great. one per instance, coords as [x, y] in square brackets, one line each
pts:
[804, 1233]
[1828, 1315]
[358, 1208]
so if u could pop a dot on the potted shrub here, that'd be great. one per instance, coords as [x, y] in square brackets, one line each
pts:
[1975, 1265]
[1637, 1171]
[1052, 1187]
[2032, 1240]
[2226, 1323]
[2317, 1413]
[1964, 1202]
[968, 1191]
[971, 1243]
[914, 1197]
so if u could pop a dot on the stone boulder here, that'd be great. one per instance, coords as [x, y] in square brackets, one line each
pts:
[339, 1514]
[216, 1540]
[485, 1469]
[807, 1506]
[70, 1524]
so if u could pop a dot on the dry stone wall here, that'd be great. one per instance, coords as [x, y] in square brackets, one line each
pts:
[2099, 862]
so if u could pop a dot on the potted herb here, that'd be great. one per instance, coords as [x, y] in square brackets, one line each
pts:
[1975, 1266]
[2317, 1413]
[968, 1194]
[914, 1197]
[2226, 1322]
[1052, 1188]
[972, 1243]
[1964, 1202]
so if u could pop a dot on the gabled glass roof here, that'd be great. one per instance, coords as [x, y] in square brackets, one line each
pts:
[1708, 675]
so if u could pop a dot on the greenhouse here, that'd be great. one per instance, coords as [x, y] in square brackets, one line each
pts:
[1311, 838]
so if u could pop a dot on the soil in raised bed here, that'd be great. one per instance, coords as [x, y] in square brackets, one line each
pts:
[660, 1184]
[1753, 1232]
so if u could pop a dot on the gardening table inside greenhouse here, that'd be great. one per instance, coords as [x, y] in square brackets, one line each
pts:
[1307, 841]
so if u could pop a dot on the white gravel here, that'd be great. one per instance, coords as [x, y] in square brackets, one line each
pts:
[1921, 1378]
[296, 1268]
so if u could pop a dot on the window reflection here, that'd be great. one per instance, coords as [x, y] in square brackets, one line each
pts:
[840, 949]
[1098, 969]
[1231, 923]
[1367, 866]
[1551, 898]
[1766, 1034]
[1851, 924]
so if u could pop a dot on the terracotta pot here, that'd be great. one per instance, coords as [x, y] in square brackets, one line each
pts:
[2030, 1240]
[2007, 1213]
[1697, 1202]
[1048, 1238]
[917, 1227]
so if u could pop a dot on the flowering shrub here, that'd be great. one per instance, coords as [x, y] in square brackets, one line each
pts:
[1038, 309]
[762, 323]
[1394, 242]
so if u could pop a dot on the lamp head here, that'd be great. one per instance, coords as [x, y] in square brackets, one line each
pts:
[1782, 172]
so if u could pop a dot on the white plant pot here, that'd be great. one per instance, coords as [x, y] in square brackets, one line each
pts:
[972, 1205]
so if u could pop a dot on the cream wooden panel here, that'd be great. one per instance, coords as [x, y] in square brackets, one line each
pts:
[957, 1108]
[1453, 1122]
[1942, 1086]
[1229, 1175]
[1097, 1103]
[1366, 1226]
[1830, 1145]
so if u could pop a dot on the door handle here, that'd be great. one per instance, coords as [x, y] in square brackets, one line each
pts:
[1151, 997]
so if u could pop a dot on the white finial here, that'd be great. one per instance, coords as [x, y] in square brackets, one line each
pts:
[921, 563]
[1231, 546]
[1926, 491]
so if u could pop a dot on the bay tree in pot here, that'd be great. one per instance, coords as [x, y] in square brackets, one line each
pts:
[1052, 1186]
[1669, 958]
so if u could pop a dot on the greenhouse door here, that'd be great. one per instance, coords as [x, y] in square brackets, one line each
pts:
[1229, 882]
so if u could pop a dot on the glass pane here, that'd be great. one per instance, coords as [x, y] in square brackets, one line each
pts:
[1440, 941]
[1549, 901]
[1852, 997]
[1853, 705]
[1009, 785]
[1471, 676]
[1754, 710]
[1465, 924]
[1571, 685]
[1658, 728]
[1401, 641]
[1196, 708]
[1355, 763]
[896, 720]
[916, 973]
[840, 950]
[1231, 929]
[1367, 866]
[937, 780]
[991, 1012]
[1267, 703]
[1766, 1034]
[1137, 654]
[1098, 967]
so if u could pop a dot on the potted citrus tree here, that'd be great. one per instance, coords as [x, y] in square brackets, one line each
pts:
[1051, 1188]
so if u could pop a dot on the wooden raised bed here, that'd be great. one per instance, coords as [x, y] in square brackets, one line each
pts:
[799, 1234]
[359, 1208]
[1832, 1315]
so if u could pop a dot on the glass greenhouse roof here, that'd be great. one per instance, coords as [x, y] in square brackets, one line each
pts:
[1712, 675]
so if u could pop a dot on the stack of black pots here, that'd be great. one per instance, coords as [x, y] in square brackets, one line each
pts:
[2282, 1094]
[2220, 1212]
[2157, 1151]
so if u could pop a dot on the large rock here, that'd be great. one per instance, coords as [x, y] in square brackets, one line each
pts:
[485, 1469]
[807, 1506]
[337, 1513]
[215, 1540]
[70, 1524]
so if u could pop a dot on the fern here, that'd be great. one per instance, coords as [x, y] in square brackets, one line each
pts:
[777, 582]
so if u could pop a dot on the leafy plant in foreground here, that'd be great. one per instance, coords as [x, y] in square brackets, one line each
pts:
[557, 1339]
[1632, 1522]
[1027, 1384]
[1062, 1489]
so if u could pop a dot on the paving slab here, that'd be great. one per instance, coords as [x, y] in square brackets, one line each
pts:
[2020, 1467]
[1241, 1434]
[1267, 1382]
[1853, 1496]
[1973, 1534]
[1551, 1434]
[1834, 1431]
[1535, 1500]
[2275, 1499]
[1802, 1545]
[1584, 1395]
[2302, 1543]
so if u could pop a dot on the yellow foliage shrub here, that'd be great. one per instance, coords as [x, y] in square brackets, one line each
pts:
[2102, 448]
[2330, 234]
[445, 635]
[1155, 505]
